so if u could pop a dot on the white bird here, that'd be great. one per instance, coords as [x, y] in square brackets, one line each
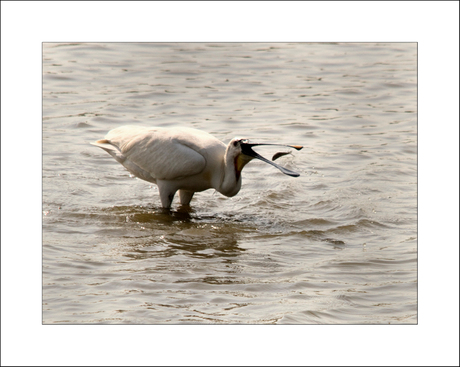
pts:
[183, 159]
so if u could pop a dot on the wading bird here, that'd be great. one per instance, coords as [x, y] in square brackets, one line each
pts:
[183, 159]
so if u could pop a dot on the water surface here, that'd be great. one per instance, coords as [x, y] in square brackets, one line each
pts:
[337, 245]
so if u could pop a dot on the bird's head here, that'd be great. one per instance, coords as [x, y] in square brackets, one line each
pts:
[240, 151]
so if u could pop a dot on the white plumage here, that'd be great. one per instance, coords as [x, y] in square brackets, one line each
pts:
[183, 159]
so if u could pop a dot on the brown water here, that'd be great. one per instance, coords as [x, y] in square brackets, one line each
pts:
[338, 245]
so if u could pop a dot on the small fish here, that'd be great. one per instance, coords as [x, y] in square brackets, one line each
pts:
[279, 154]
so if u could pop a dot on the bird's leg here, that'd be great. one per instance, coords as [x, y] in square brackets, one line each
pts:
[185, 196]
[166, 194]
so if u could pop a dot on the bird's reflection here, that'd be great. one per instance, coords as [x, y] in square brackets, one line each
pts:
[152, 214]
[208, 245]
[154, 232]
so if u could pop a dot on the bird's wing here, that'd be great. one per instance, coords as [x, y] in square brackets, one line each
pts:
[163, 154]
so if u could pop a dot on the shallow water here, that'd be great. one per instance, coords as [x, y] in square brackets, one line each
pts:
[337, 245]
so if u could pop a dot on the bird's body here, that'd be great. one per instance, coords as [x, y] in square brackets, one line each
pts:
[181, 159]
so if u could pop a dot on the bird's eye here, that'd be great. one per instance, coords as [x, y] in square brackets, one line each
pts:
[235, 143]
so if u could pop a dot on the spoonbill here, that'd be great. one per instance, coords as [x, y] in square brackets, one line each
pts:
[183, 159]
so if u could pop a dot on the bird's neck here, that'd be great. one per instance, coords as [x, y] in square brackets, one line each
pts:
[231, 181]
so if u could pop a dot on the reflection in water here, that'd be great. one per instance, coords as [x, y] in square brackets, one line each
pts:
[147, 214]
[203, 241]
[164, 233]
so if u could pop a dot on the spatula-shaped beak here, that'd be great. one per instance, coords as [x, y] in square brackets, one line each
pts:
[246, 149]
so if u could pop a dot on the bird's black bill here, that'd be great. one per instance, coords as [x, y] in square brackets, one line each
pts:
[247, 150]
[279, 154]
